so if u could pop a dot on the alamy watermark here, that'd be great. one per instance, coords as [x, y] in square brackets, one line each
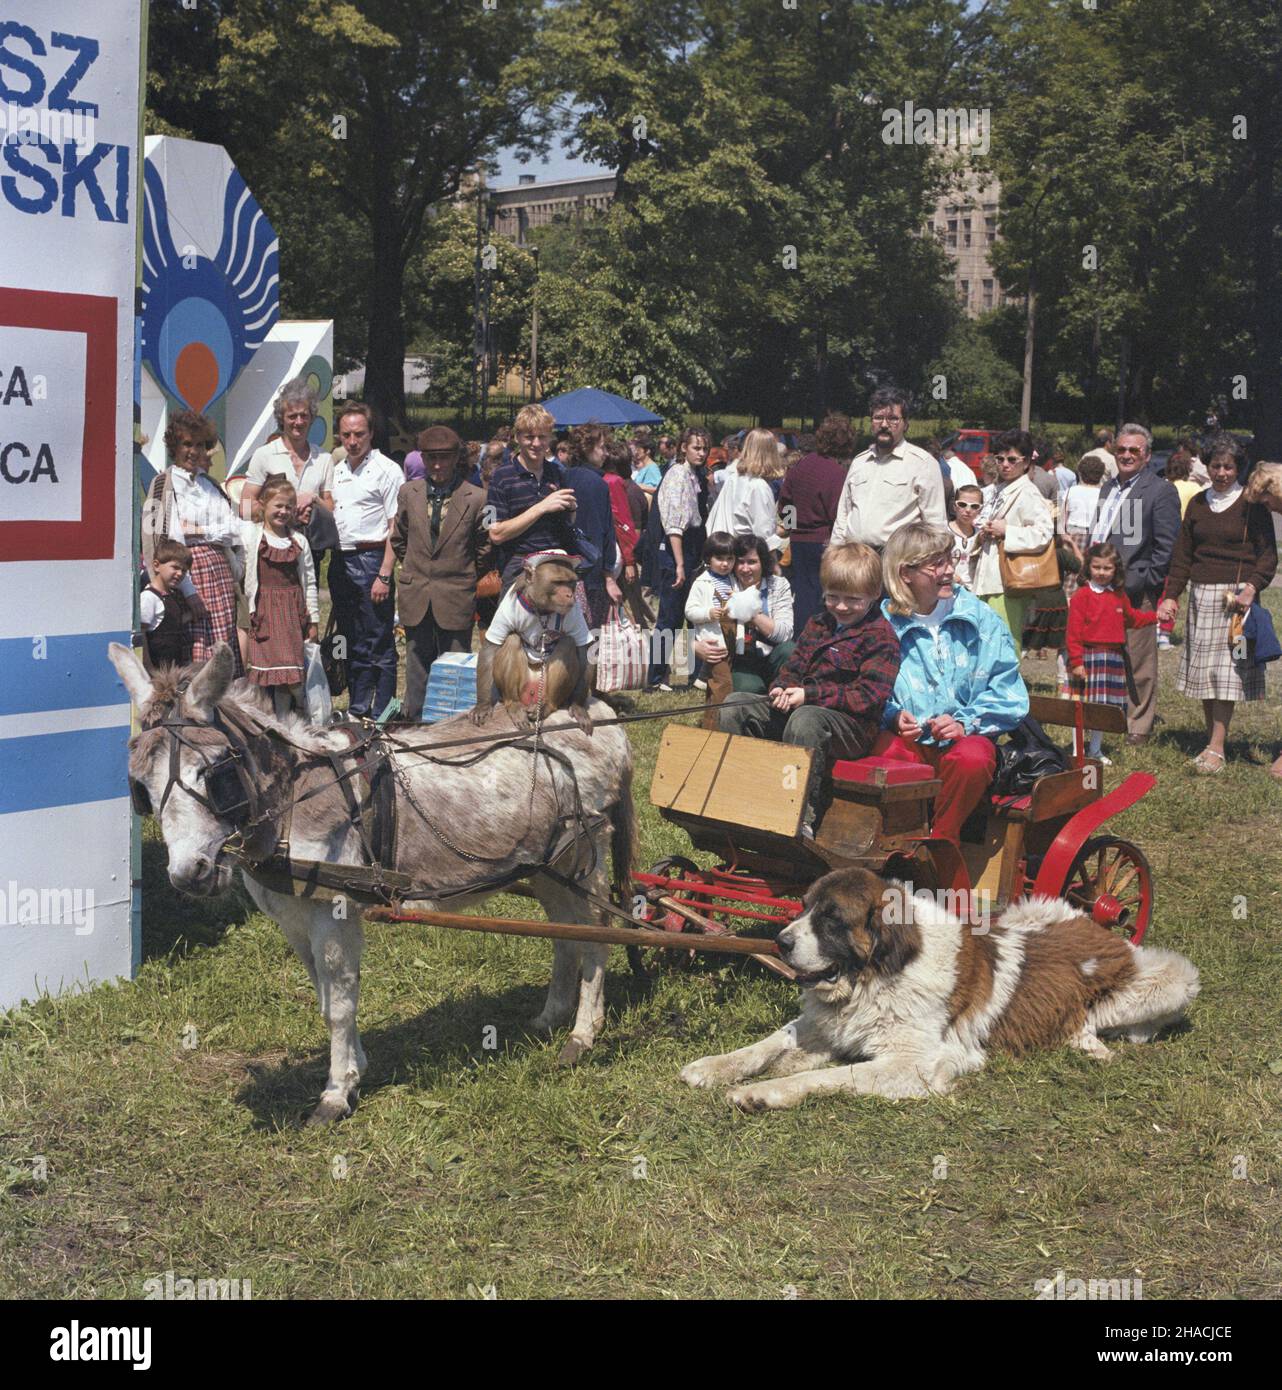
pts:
[178, 1290]
[964, 128]
[1061, 1288]
[38, 125]
[24, 906]
[972, 908]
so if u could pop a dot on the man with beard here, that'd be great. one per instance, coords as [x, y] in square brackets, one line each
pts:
[891, 484]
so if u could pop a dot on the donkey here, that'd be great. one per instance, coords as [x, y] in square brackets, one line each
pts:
[465, 822]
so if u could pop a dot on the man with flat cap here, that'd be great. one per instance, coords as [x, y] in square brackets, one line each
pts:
[441, 540]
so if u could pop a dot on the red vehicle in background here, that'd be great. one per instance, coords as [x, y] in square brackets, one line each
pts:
[972, 446]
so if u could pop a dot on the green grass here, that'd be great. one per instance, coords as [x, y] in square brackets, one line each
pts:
[466, 1167]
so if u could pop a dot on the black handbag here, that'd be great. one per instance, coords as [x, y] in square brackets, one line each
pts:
[335, 666]
[1026, 757]
[321, 529]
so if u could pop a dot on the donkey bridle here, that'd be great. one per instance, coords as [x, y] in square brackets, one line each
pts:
[231, 793]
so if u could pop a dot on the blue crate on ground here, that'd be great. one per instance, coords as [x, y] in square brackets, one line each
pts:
[451, 686]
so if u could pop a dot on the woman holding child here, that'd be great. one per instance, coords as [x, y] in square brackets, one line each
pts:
[187, 506]
[958, 685]
[754, 621]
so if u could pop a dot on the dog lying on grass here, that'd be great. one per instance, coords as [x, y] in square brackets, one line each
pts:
[914, 998]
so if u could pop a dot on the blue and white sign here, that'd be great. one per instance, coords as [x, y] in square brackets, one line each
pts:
[70, 78]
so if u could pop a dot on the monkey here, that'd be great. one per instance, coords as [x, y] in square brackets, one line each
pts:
[535, 656]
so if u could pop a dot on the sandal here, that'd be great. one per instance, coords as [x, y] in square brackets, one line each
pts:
[1209, 761]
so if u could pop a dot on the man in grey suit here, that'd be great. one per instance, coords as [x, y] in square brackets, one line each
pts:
[1139, 514]
[443, 545]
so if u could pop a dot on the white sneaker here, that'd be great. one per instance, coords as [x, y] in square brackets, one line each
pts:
[1163, 642]
[1100, 758]
[698, 685]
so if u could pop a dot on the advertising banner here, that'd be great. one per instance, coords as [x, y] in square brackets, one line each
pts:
[70, 79]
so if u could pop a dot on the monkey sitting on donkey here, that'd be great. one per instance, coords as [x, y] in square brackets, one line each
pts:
[534, 658]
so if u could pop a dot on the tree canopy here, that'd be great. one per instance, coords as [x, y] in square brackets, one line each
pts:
[768, 250]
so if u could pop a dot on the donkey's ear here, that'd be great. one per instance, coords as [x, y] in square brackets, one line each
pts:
[210, 684]
[130, 670]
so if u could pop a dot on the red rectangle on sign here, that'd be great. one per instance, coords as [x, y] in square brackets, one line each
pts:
[93, 537]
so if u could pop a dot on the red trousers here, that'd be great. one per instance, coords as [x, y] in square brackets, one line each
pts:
[965, 768]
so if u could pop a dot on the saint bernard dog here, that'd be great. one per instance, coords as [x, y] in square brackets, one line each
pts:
[914, 998]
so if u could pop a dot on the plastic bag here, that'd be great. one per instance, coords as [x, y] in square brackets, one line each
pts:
[316, 697]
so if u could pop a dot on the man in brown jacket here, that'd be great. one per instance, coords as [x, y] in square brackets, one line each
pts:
[441, 540]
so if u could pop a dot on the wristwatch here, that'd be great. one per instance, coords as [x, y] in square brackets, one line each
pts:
[384, 578]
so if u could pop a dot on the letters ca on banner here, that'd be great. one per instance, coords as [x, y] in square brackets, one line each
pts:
[68, 162]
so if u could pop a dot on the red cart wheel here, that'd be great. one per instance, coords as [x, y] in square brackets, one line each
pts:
[643, 961]
[1111, 882]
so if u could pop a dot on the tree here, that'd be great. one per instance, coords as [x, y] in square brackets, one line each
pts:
[380, 111]
[1157, 261]
[970, 380]
[761, 223]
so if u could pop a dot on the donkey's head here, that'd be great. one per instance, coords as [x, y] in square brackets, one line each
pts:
[182, 767]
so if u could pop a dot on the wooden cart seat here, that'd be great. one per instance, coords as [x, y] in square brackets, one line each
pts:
[1060, 794]
[880, 772]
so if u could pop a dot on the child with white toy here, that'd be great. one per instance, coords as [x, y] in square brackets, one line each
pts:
[752, 637]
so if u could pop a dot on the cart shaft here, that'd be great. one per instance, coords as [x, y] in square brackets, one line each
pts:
[582, 931]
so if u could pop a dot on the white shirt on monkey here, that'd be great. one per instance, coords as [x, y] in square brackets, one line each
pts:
[538, 631]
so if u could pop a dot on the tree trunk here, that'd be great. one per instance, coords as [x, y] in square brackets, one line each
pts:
[1122, 369]
[821, 374]
[1267, 386]
[769, 373]
[1091, 374]
[385, 360]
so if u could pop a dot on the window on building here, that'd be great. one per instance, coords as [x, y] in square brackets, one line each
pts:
[990, 228]
[966, 231]
[988, 294]
[952, 232]
[964, 289]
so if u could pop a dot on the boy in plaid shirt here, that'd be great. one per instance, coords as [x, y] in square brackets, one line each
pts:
[830, 693]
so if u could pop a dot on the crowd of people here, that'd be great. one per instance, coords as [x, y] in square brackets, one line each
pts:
[872, 601]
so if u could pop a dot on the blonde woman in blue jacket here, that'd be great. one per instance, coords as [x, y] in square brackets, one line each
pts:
[958, 685]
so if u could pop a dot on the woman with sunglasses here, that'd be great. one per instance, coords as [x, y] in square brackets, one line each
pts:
[1016, 518]
[958, 685]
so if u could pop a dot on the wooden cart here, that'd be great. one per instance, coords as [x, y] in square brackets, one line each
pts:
[742, 800]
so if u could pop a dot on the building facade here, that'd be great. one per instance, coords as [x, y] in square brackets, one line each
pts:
[517, 208]
[965, 223]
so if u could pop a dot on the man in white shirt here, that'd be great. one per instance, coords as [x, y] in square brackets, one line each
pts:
[1102, 451]
[366, 488]
[891, 484]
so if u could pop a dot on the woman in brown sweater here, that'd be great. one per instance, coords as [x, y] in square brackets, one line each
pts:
[1228, 555]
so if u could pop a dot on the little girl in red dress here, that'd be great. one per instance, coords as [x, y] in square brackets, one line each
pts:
[1099, 616]
[280, 589]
